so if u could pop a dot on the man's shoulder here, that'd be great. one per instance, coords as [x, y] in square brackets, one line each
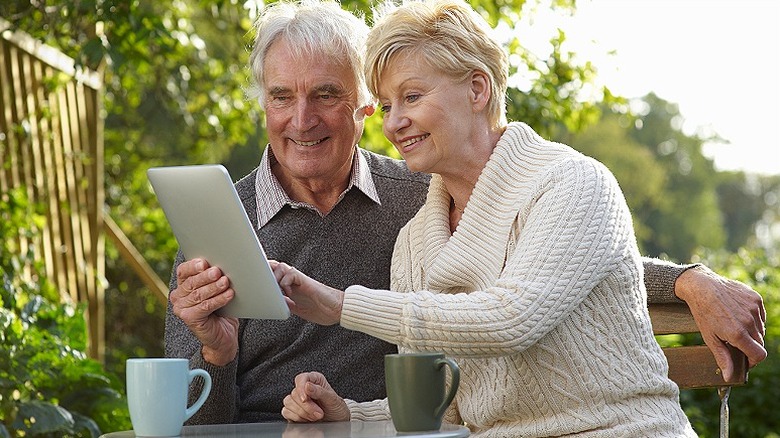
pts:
[245, 186]
[392, 169]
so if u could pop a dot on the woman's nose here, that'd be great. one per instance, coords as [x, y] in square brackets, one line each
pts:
[394, 121]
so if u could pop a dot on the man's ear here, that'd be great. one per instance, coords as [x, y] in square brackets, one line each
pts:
[480, 90]
[364, 111]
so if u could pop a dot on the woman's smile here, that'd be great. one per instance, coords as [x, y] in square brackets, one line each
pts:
[408, 144]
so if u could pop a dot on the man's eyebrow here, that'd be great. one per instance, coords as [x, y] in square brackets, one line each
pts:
[330, 89]
[274, 91]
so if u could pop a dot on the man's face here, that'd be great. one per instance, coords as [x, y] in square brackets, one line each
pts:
[310, 104]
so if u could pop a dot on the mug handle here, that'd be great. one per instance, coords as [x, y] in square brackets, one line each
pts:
[453, 385]
[204, 393]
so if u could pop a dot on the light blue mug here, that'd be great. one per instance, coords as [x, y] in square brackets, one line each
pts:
[157, 392]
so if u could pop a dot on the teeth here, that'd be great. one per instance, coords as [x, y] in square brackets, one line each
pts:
[307, 143]
[414, 140]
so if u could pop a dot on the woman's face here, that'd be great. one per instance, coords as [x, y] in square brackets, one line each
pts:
[427, 115]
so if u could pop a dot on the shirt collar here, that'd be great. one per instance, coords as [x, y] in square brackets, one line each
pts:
[271, 197]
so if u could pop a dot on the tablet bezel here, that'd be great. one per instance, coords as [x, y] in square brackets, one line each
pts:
[209, 222]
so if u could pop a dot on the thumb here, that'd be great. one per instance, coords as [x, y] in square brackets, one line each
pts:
[333, 406]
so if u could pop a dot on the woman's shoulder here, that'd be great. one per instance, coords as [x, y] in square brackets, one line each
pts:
[538, 158]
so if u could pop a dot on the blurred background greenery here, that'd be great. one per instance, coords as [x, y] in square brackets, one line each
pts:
[175, 82]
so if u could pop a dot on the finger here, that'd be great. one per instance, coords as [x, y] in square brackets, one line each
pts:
[281, 270]
[280, 273]
[758, 332]
[762, 318]
[204, 300]
[189, 284]
[301, 380]
[216, 302]
[300, 417]
[301, 411]
[290, 278]
[762, 311]
[754, 351]
[189, 268]
[723, 359]
[751, 344]
[207, 285]
[291, 410]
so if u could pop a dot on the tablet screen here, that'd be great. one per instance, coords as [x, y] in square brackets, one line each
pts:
[209, 222]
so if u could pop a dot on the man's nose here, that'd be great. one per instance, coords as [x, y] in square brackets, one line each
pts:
[305, 115]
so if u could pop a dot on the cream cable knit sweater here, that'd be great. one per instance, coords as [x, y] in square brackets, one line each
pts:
[538, 296]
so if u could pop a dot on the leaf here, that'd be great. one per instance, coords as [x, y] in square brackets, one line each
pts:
[84, 423]
[40, 417]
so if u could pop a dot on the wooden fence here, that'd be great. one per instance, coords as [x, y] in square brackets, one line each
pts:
[51, 143]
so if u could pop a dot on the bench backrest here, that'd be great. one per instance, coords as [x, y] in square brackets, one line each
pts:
[692, 366]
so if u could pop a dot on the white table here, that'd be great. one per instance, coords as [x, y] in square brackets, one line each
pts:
[344, 429]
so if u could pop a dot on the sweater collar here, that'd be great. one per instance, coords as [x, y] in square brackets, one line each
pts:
[474, 255]
[270, 197]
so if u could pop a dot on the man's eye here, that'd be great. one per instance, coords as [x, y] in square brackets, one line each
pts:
[328, 98]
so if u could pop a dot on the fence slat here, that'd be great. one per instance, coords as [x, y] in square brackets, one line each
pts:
[51, 143]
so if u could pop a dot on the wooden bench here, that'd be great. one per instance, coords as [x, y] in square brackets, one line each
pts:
[694, 367]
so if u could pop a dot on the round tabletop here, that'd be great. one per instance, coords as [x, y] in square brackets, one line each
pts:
[344, 429]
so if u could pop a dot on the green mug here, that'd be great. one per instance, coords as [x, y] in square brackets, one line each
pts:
[417, 390]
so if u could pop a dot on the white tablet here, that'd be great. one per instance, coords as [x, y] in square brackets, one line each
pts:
[209, 222]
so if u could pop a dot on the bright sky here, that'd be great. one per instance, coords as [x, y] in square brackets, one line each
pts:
[719, 60]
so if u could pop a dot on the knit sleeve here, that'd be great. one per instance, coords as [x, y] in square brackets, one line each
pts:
[576, 231]
[376, 410]
[660, 277]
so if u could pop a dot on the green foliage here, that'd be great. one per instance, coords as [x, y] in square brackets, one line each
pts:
[751, 406]
[751, 206]
[175, 81]
[48, 388]
[641, 178]
[741, 207]
[691, 184]
[175, 74]
[671, 187]
[553, 104]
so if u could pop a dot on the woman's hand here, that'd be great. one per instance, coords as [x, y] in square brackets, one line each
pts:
[313, 399]
[308, 298]
[727, 312]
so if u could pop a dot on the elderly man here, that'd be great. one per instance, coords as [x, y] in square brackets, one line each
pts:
[332, 209]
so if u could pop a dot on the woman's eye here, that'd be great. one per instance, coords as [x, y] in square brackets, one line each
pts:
[384, 109]
[412, 98]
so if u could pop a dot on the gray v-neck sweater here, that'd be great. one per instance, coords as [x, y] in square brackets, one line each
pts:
[352, 244]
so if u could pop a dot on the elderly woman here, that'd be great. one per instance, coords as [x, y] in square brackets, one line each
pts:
[522, 264]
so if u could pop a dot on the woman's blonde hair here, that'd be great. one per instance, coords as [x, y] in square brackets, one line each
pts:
[448, 35]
